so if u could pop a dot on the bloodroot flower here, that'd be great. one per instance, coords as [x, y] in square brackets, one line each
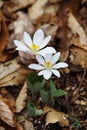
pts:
[48, 65]
[35, 46]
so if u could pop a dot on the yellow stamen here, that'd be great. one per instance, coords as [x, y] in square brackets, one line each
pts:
[48, 65]
[35, 48]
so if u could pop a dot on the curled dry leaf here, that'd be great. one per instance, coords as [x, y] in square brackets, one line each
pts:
[53, 116]
[6, 113]
[78, 56]
[14, 78]
[21, 99]
[9, 67]
[77, 28]
[37, 9]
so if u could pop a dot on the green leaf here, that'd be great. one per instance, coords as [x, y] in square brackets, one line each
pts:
[36, 83]
[56, 92]
[33, 110]
[60, 92]
[38, 112]
[53, 89]
[76, 122]
[33, 78]
[39, 85]
[44, 95]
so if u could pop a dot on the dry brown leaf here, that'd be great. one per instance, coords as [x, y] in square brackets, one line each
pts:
[15, 78]
[37, 9]
[78, 56]
[4, 54]
[28, 125]
[14, 5]
[6, 94]
[19, 127]
[6, 113]
[4, 126]
[76, 42]
[50, 29]
[26, 58]
[77, 28]
[51, 9]
[53, 116]
[23, 23]
[1, 3]
[9, 67]
[21, 99]
[7, 56]
[3, 34]
[54, 1]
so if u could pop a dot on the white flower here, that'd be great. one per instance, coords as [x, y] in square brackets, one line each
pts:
[48, 65]
[36, 45]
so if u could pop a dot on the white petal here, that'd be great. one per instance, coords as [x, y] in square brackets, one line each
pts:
[45, 42]
[60, 65]
[27, 39]
[55, 58]
[46, 73]
[40, 59]
[38, 37]
[56, 72]
[48, 57]
[36, 67]
[46, 50]
[21, 46]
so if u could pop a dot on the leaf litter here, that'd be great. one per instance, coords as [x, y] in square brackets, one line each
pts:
[67, 23]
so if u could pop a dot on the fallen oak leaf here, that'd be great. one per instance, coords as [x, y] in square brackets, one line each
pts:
[6, 112]
[53, 116]
[21, 99]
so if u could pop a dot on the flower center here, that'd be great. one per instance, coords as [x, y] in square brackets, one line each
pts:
[35, 48]
[48, 65]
